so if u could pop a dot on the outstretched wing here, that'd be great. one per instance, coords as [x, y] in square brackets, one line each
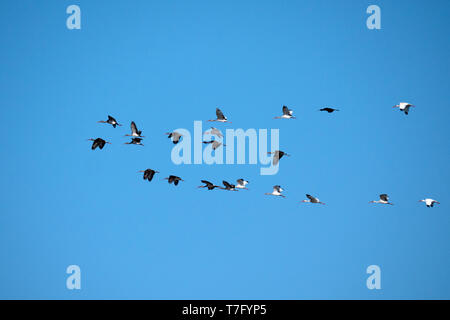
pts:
[216, 132]
[384, 197]
[220, 115]
[277, 188]
[287, 111]
[226, 184]
[310, 197]
[134, 129]
[276, 157]
[149, 174]
[208, 184]
[216, 144]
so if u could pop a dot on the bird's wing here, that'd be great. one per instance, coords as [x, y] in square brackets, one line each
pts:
[217, 132]
[219, 114]
[111, 118]
[286, 110]
[310, 197]
[206, 182]
[226, 184]
[133, 127]
[384, 197]
[276, 159]
[176, 135]
[150, 174]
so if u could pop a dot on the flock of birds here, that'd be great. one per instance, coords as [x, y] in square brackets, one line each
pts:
[148, 174]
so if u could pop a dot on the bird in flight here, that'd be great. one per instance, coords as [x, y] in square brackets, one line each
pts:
[277, 190]
[111, 121]
[135, 141]
[208, 185]
[404, 107]
[312, 199]
[277, 155]
[173, 179]
[175, 136]
[148, 174]
[134, 131]
[384, 199]
[99, 142]
[215, 144]
[220, 116]
[241, 184]
[228, 186]
[287, 114]
[429, 202]
[329, 110]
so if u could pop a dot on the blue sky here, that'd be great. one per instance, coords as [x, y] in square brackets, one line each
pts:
[165, 64]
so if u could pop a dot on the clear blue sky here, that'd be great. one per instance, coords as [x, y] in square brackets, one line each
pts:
[165, 64]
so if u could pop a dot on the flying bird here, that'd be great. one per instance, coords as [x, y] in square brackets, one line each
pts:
[429, 202]
[173, 179]
[287, 114]
[404, 107]
[215, 131]
[241, 184]
[312, 199]
[220, 117]
[215, 144]
[228, 186]
[277, 155]
[175, 136]
[134, 131]
[111, 121]
[135, 141]
[277, 190]
[384, 199]
[208, 185]
[148, 174]
[329, 110]
[99, 142]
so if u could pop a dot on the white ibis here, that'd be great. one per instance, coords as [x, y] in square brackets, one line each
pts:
[99, 142]
[429, 202]
[111, 121]
[241, 184]
[215, 131]
[220, 117]
[404, 107]
[277, 155]
[287, 114]
[175, 136]
[173, 179]
[277, 190]
[136, 141]
[312, 199]
[208, 185]
[148, 174]
[329, 110]
[228, 186]
[384, 199]
[215, 144]
[134, 131]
